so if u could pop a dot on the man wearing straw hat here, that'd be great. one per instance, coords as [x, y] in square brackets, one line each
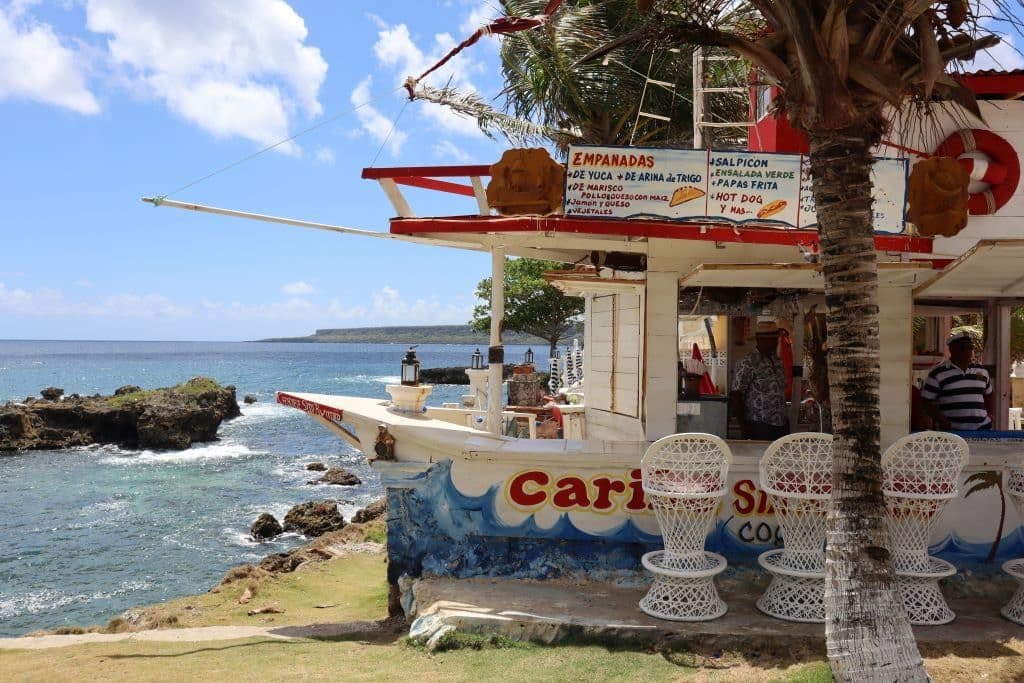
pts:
[757, 396]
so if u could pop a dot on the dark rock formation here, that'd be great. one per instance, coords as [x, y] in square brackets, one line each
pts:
[314, 518]
[459, 376]
[266, 526]
[249, 399]
[443, 376]
[316, 467]
[371, 511]
[172, 418]
[282, 563]
[122, 391]
[340, 477]
[51, 393]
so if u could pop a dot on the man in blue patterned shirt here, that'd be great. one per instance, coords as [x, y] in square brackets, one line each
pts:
[758, 392]
[958, 394]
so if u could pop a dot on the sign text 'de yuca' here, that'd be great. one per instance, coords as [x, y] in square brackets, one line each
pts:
[700, 185]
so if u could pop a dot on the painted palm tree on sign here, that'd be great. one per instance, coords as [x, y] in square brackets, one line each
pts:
[987, 480]
[841, 67]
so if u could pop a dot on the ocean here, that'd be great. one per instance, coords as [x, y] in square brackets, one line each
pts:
[87, 533]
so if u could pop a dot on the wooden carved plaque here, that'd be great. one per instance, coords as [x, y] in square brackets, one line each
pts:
[938, 197]
[526, 181]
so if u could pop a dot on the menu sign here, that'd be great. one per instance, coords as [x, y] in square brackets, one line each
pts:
[767, 189]
[754, 187]
[625, 182]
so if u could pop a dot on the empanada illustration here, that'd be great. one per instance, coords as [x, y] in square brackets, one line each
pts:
[684, 194]
[771, 208]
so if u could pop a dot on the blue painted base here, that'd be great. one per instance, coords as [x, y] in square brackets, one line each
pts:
[434, 529]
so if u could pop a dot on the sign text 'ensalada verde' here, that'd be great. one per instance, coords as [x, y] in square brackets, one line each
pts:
[769, 189]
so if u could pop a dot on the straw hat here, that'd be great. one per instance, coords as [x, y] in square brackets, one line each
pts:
[959, 337]
[766, 328]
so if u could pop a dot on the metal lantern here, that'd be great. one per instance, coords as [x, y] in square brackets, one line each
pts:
[476, 361]
[528, 356]
[411, 368]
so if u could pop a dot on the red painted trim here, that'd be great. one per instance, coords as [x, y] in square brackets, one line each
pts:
[463, 171]
[707, 232]
[311, 407]
[439, 185]
[1010, 84]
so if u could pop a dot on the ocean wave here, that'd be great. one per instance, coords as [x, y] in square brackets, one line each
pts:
[242, 539]
[51, 599]
[388, 379]
[258, 412]
[216, 451]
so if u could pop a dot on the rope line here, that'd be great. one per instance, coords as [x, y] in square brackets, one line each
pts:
[394, 126]
[277, 144]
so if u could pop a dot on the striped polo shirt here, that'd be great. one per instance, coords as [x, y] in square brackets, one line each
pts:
[960, 394]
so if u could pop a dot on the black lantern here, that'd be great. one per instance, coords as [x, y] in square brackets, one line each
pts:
[410, 368]
[528, 356]
[476, 361]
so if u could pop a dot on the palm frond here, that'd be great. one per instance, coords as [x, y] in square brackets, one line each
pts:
[491, 121]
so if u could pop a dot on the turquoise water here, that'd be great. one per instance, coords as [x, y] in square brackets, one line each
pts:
[89, 532]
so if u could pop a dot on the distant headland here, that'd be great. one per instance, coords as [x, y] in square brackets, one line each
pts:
[418, 334]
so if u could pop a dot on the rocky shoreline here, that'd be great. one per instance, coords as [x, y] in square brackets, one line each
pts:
[167, 418]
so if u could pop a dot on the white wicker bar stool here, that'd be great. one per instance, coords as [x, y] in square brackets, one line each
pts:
[684, 477]
[796, 473]
[919, 475]
[1013, 478]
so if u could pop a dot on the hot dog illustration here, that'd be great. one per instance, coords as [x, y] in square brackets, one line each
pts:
[771, 208]
[684, 194]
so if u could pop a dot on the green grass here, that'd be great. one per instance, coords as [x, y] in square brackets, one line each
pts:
[365, 657]
[352, 589]
[193, 387]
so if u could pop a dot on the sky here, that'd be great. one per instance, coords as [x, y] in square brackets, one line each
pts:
[103, 102]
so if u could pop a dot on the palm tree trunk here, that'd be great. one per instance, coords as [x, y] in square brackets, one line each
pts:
[868, 634]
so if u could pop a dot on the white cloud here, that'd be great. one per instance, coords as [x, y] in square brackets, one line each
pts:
[1002, 57]
[386, 306]
[46, 302]
[298, 288]
[373, 122]
[35, 65]
[324, 156]
[389, 306]
[396, 49]
[446, 149]
[481, 15]
[238, 68]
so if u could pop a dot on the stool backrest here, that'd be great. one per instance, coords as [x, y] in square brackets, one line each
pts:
[686, 465]
[798, 466]
[1013, 484]
[924, 465]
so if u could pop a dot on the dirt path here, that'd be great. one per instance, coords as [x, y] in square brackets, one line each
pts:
[369, 629]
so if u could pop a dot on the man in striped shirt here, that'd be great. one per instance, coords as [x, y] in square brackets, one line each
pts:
[958, 393]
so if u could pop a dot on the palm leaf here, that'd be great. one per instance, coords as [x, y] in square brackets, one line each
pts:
[984, 480]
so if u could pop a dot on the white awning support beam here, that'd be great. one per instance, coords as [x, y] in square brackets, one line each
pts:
[295, 222]
[496, 351]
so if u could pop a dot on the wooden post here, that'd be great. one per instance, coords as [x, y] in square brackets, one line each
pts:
[997, 354]
[496, 352]
[796, 337]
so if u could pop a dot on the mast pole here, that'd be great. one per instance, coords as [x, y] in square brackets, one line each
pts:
[496, 352]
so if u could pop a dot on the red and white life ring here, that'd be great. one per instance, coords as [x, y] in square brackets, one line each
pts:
[1001, 171]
